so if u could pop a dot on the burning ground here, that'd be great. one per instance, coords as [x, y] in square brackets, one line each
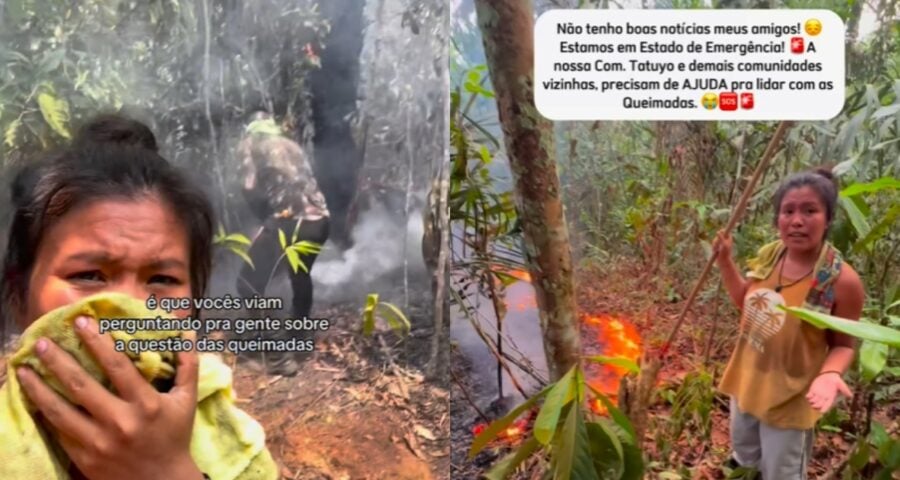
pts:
[627, 318]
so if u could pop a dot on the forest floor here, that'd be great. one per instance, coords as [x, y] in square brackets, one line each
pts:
[360, 408]
[636, 302]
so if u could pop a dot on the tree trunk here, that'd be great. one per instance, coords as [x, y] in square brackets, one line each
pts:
[507, 28]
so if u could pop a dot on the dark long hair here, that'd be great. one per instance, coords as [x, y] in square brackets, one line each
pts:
[111, 157]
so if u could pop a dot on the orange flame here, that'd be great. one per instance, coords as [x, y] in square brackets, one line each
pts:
[617, 338]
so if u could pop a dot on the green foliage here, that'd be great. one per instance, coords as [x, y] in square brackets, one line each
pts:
[860, 329]
[692, 404]
[66, 61]
[237, 243]
[388, 312]
[580, 444]
[295, 248]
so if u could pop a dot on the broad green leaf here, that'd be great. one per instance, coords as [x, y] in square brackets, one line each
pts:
[878, 436]
[560, 395]
[863, 330]
[860, 456]
[882, 183]
[634, 462]
[889, 454]
[369, 314]
[880, 229]
[499, 425]
[606, 450]
[616, 414]
[572, 450]
[872, 359]
[508, 464]
[857, 217]
[55, 112]
[617, 361]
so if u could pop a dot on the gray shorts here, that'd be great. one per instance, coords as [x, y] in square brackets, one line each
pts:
[778, 453]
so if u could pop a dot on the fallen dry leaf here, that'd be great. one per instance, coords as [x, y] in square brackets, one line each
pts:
[413, 445]
[424, 432]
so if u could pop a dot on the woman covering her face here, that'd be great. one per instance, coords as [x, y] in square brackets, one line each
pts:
[108, 215]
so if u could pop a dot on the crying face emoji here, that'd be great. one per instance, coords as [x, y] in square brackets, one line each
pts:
[709, 101]
[813, 27]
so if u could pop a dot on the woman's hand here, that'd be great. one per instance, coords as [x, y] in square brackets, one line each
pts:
[825, 389]
[139, 434]
[722, 246]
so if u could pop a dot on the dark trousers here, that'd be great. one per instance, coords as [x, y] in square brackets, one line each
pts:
[268, 260]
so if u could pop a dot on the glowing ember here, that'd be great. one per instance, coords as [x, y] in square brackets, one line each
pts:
[510, 434]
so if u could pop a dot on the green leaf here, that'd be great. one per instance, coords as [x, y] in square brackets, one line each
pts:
[508, 464]
[294, 260]
[369, 314]
[560, 395]
[9, 137]
[889, 454]
[616, 414]
[878, 436]
[860, 456]
[305, 247]
[879, 230]
[606, 450]
[395, 318]
[634, 462]
[55, 112]
[883, 183]
[237, 238]
[857, 217]
[617, 361]
[485, 154]
[281, 239]
[572, 452]
[872, 359]
[499, 425]
[863, 330]
[241, 253]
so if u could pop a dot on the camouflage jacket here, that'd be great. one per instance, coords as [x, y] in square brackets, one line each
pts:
[278, 180]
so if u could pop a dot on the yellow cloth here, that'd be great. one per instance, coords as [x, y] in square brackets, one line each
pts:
[226, 444]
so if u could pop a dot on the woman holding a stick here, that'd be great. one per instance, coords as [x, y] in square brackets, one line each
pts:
[785, 373]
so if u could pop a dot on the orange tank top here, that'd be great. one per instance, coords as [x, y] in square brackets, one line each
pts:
[776, 358]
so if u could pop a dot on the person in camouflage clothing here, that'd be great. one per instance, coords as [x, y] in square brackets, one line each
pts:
[281, 189]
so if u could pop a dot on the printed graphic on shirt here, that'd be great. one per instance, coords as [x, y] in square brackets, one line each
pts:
[763, 319]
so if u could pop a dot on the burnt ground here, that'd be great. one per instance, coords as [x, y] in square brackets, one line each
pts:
[360, 408]
[693, 454]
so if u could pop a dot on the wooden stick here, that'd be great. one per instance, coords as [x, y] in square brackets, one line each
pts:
[735, 216]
